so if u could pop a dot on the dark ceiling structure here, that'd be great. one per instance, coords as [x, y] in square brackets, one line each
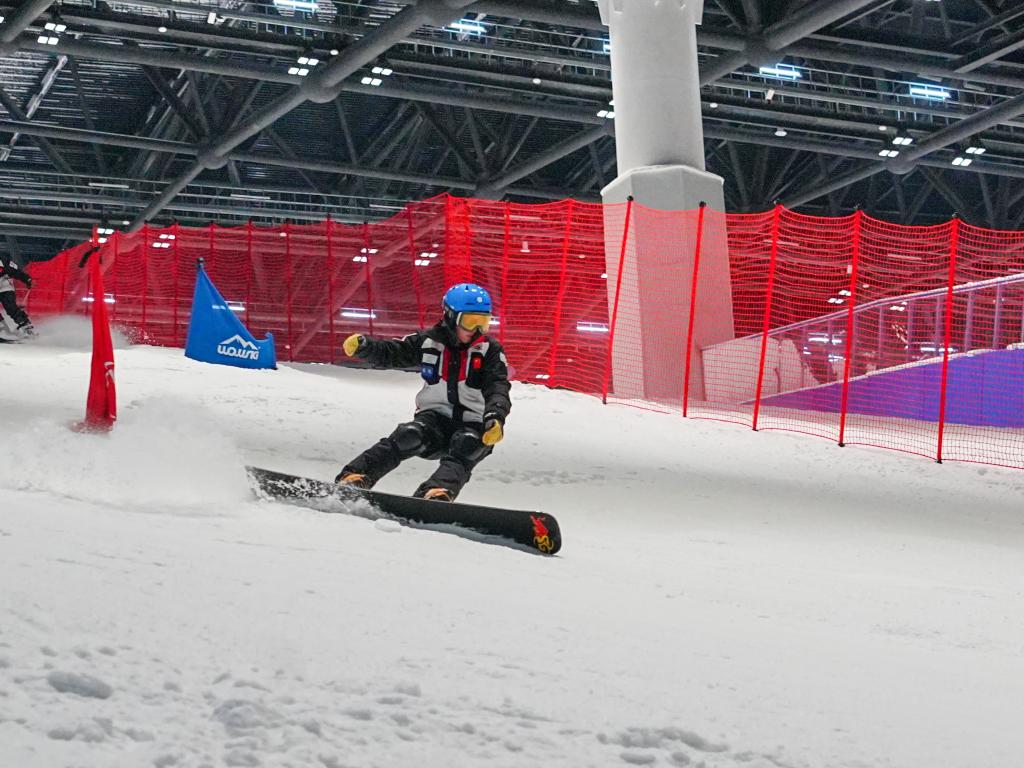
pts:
[271, 110]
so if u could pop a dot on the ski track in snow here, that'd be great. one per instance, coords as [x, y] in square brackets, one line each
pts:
[723, 599]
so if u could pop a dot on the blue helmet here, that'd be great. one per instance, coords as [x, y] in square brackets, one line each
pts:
[465, 297]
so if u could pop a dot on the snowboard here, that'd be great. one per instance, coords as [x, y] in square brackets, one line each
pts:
[535, 530]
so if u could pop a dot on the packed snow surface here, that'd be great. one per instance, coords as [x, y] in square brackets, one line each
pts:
[723, 599]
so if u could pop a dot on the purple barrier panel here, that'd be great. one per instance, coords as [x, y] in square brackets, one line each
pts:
[984, 390]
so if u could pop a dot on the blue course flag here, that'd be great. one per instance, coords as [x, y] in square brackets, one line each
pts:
[216, 335]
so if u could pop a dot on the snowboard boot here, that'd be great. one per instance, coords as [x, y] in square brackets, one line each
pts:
[354, 479]
[438, 494]
[27, 330]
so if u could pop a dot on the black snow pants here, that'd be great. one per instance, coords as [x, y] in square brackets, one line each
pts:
[430, 435]
[16, 313]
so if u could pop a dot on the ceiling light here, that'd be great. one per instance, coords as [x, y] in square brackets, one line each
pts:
[930, 92]
[889, 153]
[713, 105]
[976, 150]
[962, 161]
[770, 94]
[468, 25]
[536, 81]
[780, 131]
[334, 51]
[883, 128]
[1, 19]
[107, 185]
[161, 29]
[607, 114]
[783, 71]
[374, 81]
[306, 6]
[903, 141]
[607, 47]
[47, 40]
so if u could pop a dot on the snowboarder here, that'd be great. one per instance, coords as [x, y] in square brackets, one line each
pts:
[461, 409]
[8, 270]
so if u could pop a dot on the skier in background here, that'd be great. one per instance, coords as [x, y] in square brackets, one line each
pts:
[461, 409]
[8, 270]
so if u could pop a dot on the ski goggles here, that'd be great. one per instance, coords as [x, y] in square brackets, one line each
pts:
[475, 321]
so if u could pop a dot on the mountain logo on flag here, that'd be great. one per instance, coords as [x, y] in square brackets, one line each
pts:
[238, 347]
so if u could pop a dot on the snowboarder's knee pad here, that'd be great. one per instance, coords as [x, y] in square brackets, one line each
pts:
[467, 446]
[409, 439]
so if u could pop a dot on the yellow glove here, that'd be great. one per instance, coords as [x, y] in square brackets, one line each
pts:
[353, 343]
[493, 431]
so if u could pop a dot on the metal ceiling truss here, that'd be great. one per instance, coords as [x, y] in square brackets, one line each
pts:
[200, 110]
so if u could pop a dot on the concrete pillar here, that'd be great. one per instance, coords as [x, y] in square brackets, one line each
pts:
[660, 148]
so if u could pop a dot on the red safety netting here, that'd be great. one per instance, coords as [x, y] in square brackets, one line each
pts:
[848, 328]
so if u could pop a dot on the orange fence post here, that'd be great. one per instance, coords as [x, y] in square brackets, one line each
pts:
[503, 317]
[561, 295]
[113, 281]
[420, 317]
[330, 288]
[954, 235]
[854, 267]
[248, 272]
[145, 276]
[693, 307]
[767, 312]
[615, 304]
[369, 273]
[288, 282]
[174, 282]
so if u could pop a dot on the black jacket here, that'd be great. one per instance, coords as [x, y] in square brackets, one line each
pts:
[9, 269]
[465, 382]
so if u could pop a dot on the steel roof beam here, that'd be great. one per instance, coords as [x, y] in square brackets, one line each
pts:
[40, 141]
[50, 233]
[124, 54]
[766, 47]
[21, 19]
[157, 79]
[992, 51]
[45, 84]
[321, 87]
[541, 11]
[833, 50]
[965, 129]
[494, 187]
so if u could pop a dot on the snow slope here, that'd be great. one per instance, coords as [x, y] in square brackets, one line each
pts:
[722, 599]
